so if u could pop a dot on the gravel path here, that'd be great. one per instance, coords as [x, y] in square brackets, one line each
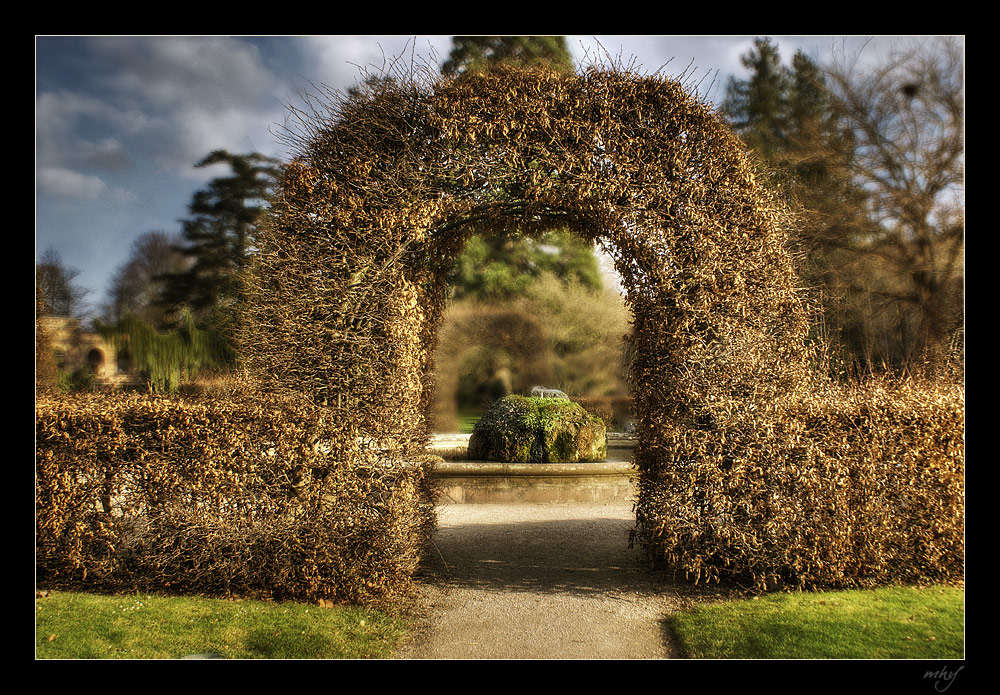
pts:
[542, 581]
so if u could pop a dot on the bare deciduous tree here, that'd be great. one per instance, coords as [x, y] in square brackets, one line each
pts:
[905, 118]
[54, 281]
[137, 285]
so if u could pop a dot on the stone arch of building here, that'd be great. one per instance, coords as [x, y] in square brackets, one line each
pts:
[96, 361]
[387, 184]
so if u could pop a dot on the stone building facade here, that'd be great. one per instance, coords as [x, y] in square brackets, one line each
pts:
[76, 349]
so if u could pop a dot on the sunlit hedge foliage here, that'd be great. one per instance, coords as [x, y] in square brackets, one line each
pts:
[847, 487]
[750, 464]
[235, 496]
[729, 407]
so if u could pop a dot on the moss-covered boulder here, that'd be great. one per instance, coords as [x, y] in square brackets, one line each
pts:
[517, 429]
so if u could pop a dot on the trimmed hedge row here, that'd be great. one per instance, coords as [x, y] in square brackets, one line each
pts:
[850, 487]
[222, 497]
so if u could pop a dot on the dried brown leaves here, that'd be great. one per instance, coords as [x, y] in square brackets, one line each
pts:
[227, 496]
[740, 474]
[749, 464]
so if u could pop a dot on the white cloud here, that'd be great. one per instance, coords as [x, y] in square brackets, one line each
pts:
[338, 61]
[171, 72]
[232, 129]
[70, 184]
[67, 183]
[165, 100]
[61, 117]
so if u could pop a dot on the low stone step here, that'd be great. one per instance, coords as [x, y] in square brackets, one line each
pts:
[486, 482]
[470, 482]
[616, 440]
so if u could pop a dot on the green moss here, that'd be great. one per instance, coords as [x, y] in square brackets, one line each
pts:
[519, 429]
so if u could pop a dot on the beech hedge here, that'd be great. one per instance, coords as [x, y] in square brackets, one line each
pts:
[225, 497]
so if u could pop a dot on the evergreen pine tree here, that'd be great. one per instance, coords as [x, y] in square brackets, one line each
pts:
[472, 54]
[217, 236]
[757, 108]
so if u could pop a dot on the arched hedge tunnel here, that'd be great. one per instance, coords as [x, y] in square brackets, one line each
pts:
[304, 481]
[348, 287]
[389, 184]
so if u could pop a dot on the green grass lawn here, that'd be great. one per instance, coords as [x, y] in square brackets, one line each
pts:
[889, 623]
[90, 626]
[467, 421]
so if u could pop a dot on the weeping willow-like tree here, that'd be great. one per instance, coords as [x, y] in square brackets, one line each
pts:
[164, 358]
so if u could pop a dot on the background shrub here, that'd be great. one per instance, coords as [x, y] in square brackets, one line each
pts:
[615, 411]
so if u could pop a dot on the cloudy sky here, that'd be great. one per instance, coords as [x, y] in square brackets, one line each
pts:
[121, 121]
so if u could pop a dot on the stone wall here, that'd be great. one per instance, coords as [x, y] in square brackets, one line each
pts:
[77, 349]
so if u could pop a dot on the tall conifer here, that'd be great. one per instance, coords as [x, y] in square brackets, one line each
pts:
[217, 236]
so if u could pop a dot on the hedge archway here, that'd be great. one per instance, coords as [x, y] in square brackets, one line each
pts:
[387, 184]
[304, 480]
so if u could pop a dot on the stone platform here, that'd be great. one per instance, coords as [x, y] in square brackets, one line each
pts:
[488, 482]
